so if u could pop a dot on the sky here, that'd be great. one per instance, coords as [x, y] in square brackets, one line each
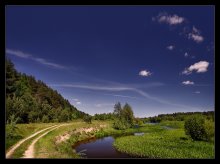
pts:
[158, 59]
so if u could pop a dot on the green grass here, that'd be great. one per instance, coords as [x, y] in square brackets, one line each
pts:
[64, 149]
[18, 153]
[172, 124]
[165, 144]
[157, 142]
[24, 130]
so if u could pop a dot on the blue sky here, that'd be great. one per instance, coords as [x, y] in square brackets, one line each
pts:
[159, 59]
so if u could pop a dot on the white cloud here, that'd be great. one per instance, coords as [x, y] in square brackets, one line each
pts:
[18, 53]
[78, 102]
[31, 57]
[171, 47]
[115, 95]
[199, 67]
[104, 105]
[145, 73]
[197, 38]
[186, 72]
[188, 82]
[195, 35]
[44, 62]
[169, 19]
[195, 30]
[115, 88]
[93, 87]
[197, 92]
[186, 54]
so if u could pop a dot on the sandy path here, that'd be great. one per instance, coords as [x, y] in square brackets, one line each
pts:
[11, 151]
[29, 153]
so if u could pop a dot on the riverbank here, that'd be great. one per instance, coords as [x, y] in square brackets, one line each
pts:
[164, 140]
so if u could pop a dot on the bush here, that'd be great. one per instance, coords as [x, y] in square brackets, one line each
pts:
[45, 119]
[121, 124]
[87, 119]
[12, 135]
[210, 129]
[198, 128]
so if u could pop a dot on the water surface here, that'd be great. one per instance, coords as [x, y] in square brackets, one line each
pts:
[99, 148]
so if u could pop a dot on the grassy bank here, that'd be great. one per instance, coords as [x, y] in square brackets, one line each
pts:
[165, 144]
[53, 149]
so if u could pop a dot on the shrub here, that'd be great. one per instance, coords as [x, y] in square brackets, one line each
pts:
[121, 124]
[87, 119]
[209, 128]
[198, 128]
[45, 119]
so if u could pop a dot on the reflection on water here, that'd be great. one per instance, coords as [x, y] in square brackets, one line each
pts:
[139, 134]
[99, 148]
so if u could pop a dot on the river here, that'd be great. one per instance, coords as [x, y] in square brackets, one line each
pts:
[99, 148]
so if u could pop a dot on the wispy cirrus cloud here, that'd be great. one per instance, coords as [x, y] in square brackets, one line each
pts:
[102, 105]
[199, 67]
[42, 61]
[77, 101]
[18, 53]
[115, 95]
[168, 19]
[120, 88]
[93, 87]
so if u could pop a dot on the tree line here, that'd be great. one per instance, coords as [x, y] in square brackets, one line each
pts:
[179, 116]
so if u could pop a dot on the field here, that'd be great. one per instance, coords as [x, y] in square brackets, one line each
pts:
[158, 141]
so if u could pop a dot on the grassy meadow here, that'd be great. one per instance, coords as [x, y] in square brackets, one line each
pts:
[171, 143]
[157, 141]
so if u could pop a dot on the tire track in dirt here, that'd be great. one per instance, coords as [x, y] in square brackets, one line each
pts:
[11, 151]
[29, 153]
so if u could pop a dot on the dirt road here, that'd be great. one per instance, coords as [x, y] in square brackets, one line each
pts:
[29, 153]
[11, 151]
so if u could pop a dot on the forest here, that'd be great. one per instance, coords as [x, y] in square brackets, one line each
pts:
[31, 101]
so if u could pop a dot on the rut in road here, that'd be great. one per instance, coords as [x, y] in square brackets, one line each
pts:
[29, 153]
[11, 151]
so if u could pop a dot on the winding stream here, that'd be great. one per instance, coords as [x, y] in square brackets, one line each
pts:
[103, 147]
[99, 148]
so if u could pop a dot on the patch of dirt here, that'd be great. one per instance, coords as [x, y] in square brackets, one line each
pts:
[29, 153]
[62, 138]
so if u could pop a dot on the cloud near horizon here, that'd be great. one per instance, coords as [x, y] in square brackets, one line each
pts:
[77, 101]
[115, 88]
